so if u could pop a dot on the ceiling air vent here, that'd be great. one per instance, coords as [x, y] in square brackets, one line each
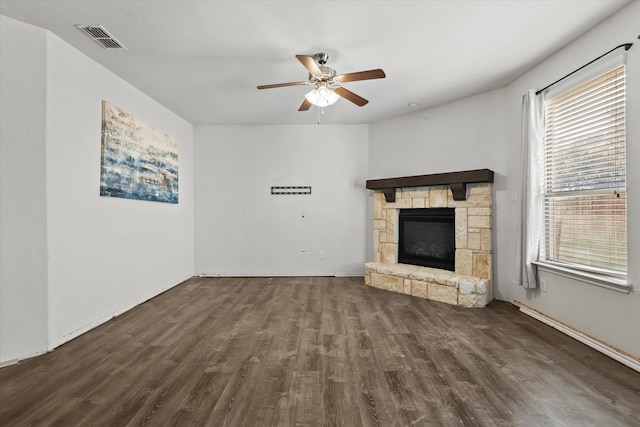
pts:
[101, 36]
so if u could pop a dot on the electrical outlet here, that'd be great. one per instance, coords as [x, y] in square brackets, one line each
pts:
[303, 255]
[543, 285]
[322, 255]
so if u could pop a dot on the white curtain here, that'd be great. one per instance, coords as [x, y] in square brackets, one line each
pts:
[532, 172]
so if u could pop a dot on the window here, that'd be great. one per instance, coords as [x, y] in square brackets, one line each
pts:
[585, 215]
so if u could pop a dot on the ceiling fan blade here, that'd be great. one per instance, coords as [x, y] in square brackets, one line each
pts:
[310, 64]
[283, 85]
[348, 95]
[305, 105]
[361, 75]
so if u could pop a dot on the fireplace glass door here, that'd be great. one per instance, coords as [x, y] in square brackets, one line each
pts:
[427, 237]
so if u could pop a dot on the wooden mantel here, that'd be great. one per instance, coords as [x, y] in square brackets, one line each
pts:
[457, 182]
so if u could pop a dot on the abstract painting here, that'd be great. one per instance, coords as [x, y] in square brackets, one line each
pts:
[138, 160]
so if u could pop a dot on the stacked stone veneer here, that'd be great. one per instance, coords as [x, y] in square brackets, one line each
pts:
[470, 284]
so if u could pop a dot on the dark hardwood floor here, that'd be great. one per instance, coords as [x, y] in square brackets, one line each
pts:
[317, 351]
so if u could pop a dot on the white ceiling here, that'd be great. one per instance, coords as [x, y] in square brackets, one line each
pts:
[204, 59]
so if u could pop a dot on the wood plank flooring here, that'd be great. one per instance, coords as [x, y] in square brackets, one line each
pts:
[317, 351]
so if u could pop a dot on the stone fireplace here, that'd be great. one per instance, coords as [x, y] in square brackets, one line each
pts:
[470, 194]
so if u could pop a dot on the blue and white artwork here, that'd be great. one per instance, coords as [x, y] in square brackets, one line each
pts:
[138, 160]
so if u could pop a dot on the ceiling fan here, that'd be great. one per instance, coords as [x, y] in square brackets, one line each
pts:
[327, 88]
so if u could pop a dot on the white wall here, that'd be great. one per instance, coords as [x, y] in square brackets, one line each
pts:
[23, 256]
[484, 132]
[103, 255]
[241, 229]
[106, 254]
[607, 315]
[462, 135]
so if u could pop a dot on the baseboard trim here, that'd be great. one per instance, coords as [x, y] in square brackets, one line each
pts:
[600, 346]
[338, 274]
[8, 363]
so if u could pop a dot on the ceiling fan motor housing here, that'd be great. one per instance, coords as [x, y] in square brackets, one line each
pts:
[327, 71]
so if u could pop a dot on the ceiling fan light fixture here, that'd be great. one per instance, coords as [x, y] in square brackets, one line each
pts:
[322, 96]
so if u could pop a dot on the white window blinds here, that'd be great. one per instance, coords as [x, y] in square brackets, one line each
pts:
[585, 176]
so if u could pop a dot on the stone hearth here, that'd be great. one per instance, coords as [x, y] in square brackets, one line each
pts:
[470, 284]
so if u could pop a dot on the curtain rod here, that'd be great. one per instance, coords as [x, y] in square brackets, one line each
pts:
[626, 46]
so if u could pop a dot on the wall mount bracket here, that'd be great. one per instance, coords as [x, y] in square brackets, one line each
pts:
[291, 190]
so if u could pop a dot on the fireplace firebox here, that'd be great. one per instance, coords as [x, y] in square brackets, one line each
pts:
[427, 237]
